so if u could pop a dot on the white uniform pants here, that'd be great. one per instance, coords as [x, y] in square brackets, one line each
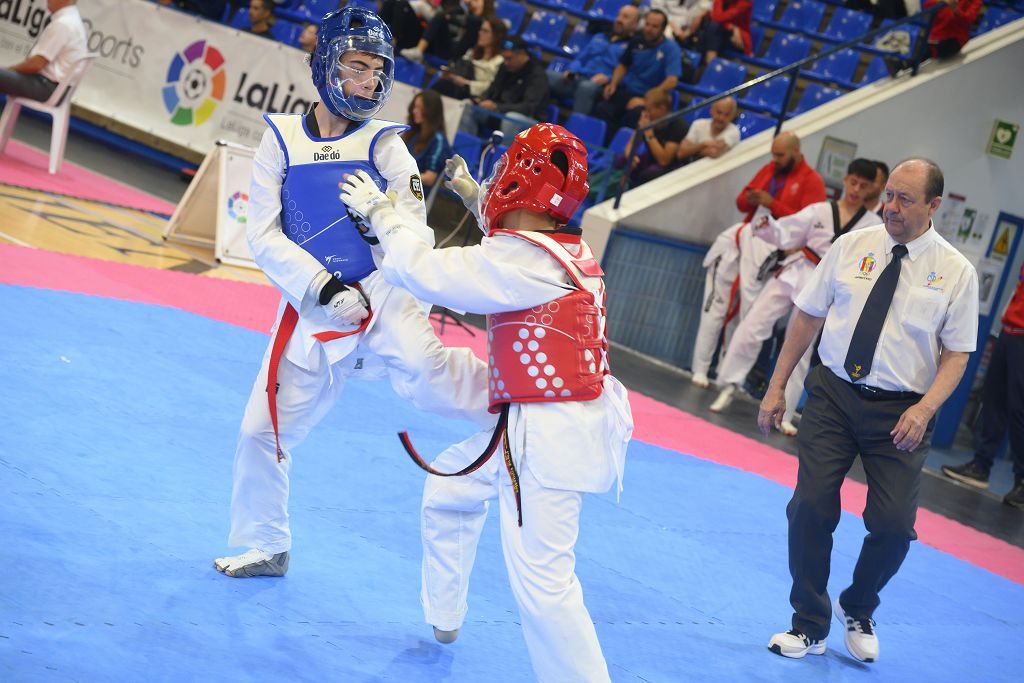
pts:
[718, 283]
[539, 556]
[450, 382]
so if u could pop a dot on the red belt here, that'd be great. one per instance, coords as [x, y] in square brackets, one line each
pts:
[289, 320]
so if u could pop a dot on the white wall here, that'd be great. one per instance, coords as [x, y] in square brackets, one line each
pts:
[945, 113]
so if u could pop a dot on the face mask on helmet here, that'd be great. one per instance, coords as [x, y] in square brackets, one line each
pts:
[353, 67]
[544, 171]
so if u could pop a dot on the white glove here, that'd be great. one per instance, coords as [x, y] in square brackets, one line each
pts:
[363, 198]
[461, 183]
[347, 307]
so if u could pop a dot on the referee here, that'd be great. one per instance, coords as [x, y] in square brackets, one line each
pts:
[899, 306]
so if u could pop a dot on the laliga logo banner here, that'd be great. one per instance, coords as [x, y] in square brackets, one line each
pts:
[195, 83]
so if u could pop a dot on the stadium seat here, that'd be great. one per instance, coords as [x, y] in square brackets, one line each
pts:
[605, 9]
[845, 24]
[589, 129]
[410, 72]
[318, 8]
[286, 32]
[578, 39]
[468, 147]
[702, 113]
[559, 65]
[767, 97]
[718, 76]
[756, 39]
[573, 6]
[545, 29]
[799, 16]
[764, 10]
[814, 95]
[837, 68]
[512, 13]
[750, 123]
[876, 71]
[784, 49]
[996, 17]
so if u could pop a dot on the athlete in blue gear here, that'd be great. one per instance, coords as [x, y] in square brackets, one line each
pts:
[338, 318]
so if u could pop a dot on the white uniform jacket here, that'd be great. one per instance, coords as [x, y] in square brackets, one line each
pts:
[811, 227]
[289, 266]
[573, 445]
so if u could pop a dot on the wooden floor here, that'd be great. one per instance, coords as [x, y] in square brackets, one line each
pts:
[70, 225]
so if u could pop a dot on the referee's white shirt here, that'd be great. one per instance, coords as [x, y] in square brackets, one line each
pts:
[935, 305]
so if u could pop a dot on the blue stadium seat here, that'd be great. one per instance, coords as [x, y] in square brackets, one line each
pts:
[756, 38]
[468, 147]
[996, 17]
[837, 68]
[784, 49]
[286, 32]
[800, 16]
[318, 8]
[241, 18]
[490, 159]
[764, 10]
[559, 65]
[573, 6]
[718, 76]
[845, 24]
[876, 71]
[814, 95]
[578, 39]
[620, 140]
[409, 72]
[545, 29]
[750, 123]
[768, 96]
[512, 13]
[590, 129]
[605, 9]
[553, 113]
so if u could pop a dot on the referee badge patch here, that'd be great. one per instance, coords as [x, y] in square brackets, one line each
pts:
[416, 187]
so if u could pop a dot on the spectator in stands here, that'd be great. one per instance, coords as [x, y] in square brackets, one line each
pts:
[950, 31]
[592, 68]
[685, 18]
[426, 136]
[451, 31]
[211, 9]
[1002, 406]
[649, 61]
[59, 47]
[784, 185]
[519, 93]
[712, 137]
[660, 143]
[261, 18]
[473, 74]
[404, 22]
[729, 27]
[307, 39]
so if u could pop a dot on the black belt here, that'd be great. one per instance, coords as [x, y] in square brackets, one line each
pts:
[876, 394]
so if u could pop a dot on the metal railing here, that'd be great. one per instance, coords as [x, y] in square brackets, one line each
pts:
[928, 15]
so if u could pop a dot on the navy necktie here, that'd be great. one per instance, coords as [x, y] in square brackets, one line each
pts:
[872, 318]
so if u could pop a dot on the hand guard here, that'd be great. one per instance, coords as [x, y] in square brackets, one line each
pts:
[363, 198]
[461, 183]
[348, 307]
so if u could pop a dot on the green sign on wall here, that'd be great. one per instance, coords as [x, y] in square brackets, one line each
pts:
[1004, 135]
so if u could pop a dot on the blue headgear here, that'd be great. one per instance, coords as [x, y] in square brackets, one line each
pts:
[360, 30]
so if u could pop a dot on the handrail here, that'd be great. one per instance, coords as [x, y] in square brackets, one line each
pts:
[795, 66]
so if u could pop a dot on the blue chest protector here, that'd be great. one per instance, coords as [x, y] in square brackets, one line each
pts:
[312, 216]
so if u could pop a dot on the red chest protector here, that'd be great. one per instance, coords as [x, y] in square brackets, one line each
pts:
[556, 351]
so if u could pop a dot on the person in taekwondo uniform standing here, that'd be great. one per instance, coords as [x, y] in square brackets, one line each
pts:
[737, 262]
[564, 420]
[898, 309]
[806, 237]
[337, 314]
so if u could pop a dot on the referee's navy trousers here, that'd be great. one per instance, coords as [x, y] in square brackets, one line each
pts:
[837, 425]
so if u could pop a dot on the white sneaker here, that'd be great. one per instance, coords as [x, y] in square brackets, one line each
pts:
[795, 645]
[788, 428]
[254, 562]
[413, 54]
[701, 380]
[445, 637]
[859, 634]
[724, 398]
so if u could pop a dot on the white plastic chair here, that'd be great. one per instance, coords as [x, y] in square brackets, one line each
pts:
[58, 106]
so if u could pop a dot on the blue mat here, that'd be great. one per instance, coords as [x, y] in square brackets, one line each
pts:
[117, 433]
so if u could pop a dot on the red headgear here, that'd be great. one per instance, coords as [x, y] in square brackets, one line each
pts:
[526, 177]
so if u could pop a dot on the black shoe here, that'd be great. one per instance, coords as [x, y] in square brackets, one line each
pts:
[895, 65]
[1015, 498]
[970, 473]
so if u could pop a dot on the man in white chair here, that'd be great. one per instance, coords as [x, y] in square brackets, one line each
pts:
[51, 59]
